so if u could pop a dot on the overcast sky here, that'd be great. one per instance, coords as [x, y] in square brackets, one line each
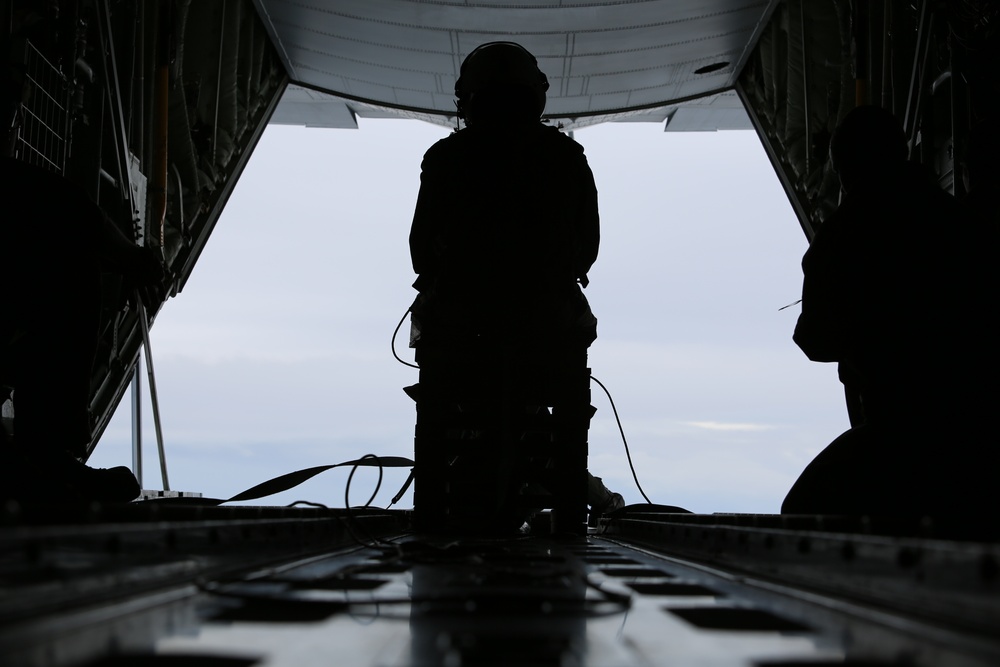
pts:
[276, 354]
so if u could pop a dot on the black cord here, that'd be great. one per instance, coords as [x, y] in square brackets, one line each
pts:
[392, 344]
[374, 542]
[308, 503]
[259, 588]
[399, 494]
[609, 603]
[354, 469]
[624, 441]
[628, 454]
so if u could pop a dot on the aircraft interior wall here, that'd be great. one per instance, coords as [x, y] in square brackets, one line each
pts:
[930, 63]
[154, 108]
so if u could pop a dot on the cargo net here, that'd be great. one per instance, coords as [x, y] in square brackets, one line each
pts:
[43, 138]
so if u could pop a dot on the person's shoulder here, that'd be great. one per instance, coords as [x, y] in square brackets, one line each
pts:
[471, 140]
[838, 219]
[555, 135]
[929, 203]
[833, 233]
[445, 148]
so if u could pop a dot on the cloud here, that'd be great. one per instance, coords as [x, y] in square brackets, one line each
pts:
[731, 426]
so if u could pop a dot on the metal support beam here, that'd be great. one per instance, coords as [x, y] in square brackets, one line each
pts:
[137, 421]
[805, 87]
[887, 52]
[218, 83]
[918, 75]
[114, 94]
[152, 392]
[780, 166]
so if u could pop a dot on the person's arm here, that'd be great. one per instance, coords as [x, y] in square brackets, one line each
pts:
[142, 265]
[588, 226]
[820, 331]
[591, 227]
[426, 241]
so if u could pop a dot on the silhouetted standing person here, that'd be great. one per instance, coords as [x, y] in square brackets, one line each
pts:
[887, 293]
[505, 230]
[506, 224]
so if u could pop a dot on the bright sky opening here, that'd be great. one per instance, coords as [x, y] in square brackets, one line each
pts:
[276, 355]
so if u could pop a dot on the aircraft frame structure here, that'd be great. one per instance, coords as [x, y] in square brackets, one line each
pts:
[154, 107]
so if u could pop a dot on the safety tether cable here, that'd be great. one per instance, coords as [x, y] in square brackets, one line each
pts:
[624, 441]
[392, 344]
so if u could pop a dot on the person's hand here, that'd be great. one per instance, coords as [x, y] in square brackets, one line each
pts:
[146, 277]
[146, 267]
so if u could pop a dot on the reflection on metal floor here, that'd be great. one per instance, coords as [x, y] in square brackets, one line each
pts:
[161, 584]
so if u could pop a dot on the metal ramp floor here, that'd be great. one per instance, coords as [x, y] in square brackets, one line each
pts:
[155, 584]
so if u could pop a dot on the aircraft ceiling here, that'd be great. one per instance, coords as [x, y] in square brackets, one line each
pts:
[605, 59]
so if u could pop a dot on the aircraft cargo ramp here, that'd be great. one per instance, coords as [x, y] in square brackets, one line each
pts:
[159, 583]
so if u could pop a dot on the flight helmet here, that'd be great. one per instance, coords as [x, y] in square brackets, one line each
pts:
[503, 73]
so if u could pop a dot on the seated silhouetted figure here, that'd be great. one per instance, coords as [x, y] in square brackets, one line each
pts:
[55, 243]
[505, 229]
[890, 294]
